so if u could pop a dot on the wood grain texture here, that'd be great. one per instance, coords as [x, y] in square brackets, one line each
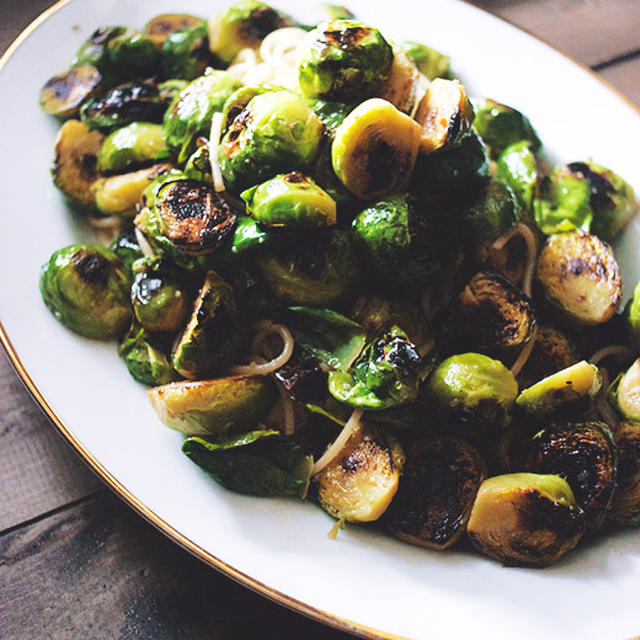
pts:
[98, 571]
[625, 77]
[590, 31]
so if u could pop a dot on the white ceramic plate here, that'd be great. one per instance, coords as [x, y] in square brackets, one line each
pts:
[280, 547]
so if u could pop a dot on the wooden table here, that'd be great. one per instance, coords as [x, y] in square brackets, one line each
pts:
[75, 561]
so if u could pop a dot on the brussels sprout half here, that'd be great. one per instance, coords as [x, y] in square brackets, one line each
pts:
[63, 94]
[275, 133]
[86, 289]
[160, 27]
[407, 242]
[132, 54]
[375, 149]
[580, 277]
[473, 395]
[290, 200]
[185, 53]
[131, 147]
[360, 482]
[344, 60]
[214, 407]
[625, 392]
[517, 168]
[431, 63]
[402, 87]
[525, 519]
[625, 509]
[93, 51]
[438, 486]
[214, 335]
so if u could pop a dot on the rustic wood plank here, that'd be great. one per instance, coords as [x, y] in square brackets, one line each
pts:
[38, 470]
[625, 76]
[590, 31]
[97, 570]
[16, 15]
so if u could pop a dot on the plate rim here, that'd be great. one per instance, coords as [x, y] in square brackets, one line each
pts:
[298, 606]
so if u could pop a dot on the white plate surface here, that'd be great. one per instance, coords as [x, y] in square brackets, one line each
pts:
[365, 577]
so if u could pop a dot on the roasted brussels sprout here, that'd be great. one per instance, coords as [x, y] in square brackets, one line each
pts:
[445, 115]
[275, 133]
[344, 60]
[500, 126]
[565, 394]
[240, 98]
[184, 217]
[120, 194]
[132, 54]
[525, 519]
[185, 53]
[374, 149]
[473, 395]
[189, 116]
[319, 270]
[131, 147]
[625, 509]
[74, 164]
[93, 51]
[290, 200]
[213, 336]
[431, 63]
[457, 172]
[612, 200]
[170, 89]
[517, 168]
[63, 94]
[360, 482]
[160, 27]
[632, 318]
[127, 250]
[257, 463]
[86, 289]
[386, 374]
[625, 392]
[439, 482]
[582, 453]
[145, 360]
[407, 242]
[401, 88]
[580, 277]
[159, 296]
[491, 315]
[214, 407]
[198, 165]
[242, 25]
[139, 101]
[378, 314]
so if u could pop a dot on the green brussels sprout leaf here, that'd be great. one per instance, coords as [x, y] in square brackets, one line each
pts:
[145, 361]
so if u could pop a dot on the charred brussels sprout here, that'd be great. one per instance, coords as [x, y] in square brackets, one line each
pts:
[93, 51]
[290, 200]
[132, 54]
[401, 88]
[430, 63]
[625, 392]
[162, 26]
[386, 374]
[63, 94]
[86, 289]
[406, 241]
[214, 335]
[525, 519]
[344, 60]
[139, 101]
[473, 394]
[612, 200]
[501, 126]
[275, 133]
[242, 25]
[445, 115]
[491, 315]
[185, 53]
[160, 298]
[360, 482]
[189, 116]
[74, 165]
[439, 482]
[132, 146]
[517, 168]
[580, 277]
[214, 407]
[564, 394]
[240, 98]
[374, 149]
[626, 499]
[145, 360]
[632, 317]
[319, 270]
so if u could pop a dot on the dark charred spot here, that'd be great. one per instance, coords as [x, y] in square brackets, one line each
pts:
[347, 38]
[577, 266]
[366, 455]
[302, 377]
[88, 165]
[601, 188]
[260, 23]
[628, 458]
[307, 258]
[454, 127]
[138, 101]
[103, 35]
[295, 177]
[93, 268]
[62, 86]
[239, 124]
[538, 513]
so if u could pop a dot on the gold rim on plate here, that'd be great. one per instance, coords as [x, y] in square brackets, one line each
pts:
[276, 596]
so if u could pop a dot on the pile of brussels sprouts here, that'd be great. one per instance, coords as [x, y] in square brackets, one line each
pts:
[443, 284]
